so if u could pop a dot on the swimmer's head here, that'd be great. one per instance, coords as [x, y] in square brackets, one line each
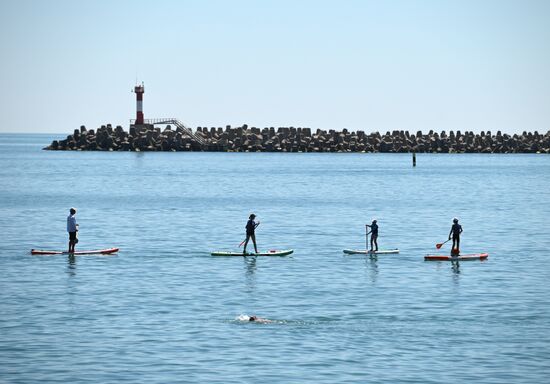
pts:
[252, 318]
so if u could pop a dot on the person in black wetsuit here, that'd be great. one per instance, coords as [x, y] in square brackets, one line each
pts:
[456, 230]
[250, 228]
[374, 235]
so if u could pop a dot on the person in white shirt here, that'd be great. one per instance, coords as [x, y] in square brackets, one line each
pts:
[72, 228]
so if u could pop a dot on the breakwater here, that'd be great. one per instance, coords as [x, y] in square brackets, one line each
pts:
[290, 139]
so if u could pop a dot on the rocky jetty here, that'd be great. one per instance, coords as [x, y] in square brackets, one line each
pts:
[290, 139]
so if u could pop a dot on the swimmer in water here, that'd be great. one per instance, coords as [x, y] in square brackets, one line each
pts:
[258, 319]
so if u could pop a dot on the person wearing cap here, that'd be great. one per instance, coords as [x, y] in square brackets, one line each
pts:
[72, 228]
[456, 230]
[374, 235]
[250, 234]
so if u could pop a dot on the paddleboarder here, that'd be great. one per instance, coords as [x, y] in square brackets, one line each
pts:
[72, 228]
[456, 230]
[374, 235]
[250, 232]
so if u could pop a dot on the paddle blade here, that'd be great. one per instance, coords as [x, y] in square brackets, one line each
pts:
[438, 246]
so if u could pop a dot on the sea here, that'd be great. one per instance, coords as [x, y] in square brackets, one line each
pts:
[163, 310]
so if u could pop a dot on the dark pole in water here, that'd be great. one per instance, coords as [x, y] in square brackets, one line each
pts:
[414, 159]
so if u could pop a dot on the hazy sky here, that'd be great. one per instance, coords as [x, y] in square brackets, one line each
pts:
[362, 65]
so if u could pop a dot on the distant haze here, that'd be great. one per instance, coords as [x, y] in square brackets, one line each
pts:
[360, 65]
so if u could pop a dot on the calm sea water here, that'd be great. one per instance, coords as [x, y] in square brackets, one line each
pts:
[163, 310]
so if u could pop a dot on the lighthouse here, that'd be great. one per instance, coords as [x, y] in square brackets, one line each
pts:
[139, 91]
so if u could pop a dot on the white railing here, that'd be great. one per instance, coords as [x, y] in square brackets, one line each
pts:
[172, 120]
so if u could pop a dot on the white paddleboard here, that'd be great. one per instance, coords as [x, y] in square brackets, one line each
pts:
[273, 252]
[364, 252]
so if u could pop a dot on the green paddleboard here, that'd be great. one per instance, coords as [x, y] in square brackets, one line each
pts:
[272, 252]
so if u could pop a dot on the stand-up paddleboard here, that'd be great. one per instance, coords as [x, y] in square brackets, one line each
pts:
[107, 251]
[364, 252]
[473, 256]
[272, 252]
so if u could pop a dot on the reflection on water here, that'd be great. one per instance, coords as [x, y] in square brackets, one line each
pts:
[372, 265]
[250, 269]
[455, 266]
[71, 266]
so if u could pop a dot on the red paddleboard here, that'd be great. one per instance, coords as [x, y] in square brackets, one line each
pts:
[107, 251]
[473, 256]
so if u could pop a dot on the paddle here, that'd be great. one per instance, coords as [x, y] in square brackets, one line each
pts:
[367, 239]
[438, 246]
